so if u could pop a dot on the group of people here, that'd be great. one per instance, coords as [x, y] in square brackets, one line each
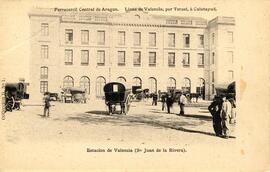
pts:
[168, 99]
[223, 110]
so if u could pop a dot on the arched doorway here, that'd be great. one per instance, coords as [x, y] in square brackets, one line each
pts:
[171, 85]
[85, 83]
[152, 85]
[186, 86]
[136, 84]
[100, 82]
[122, 80]
[68, 82]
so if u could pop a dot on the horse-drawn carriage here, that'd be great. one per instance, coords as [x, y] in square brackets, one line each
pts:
[226, 90]
[14, 93]
[117, 94]
[73, 95]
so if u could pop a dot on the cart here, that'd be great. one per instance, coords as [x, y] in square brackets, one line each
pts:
[117, 94]
[226, 90]
[14, 93]
[73, 95]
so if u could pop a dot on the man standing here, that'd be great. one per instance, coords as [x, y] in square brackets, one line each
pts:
[182, 102]
[215, 109]
[46, 104]
[225, 116]
[163, 101]
[233, 113]
[154, 99]
[169, 102]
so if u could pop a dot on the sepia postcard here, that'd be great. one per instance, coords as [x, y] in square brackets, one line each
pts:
[135, 85]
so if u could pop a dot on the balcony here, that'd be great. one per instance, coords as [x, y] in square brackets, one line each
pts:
[186, 65]
[122, 64]
[101, 64]
[84, 64]
[136, 64]
[200, 65]
[152, 64]
[68, 63]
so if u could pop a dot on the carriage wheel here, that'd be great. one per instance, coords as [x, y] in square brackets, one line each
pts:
[10, 104]
[77, 101]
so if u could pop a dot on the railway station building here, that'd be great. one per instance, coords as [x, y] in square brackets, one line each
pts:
[156, 52]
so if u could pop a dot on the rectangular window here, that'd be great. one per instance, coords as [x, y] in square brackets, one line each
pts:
[230, 37]
[230, 73]
[43, 86]
[137, 58]
[68, 57]
[121, 58]
[100, 57]
[213, 38]
[84, 57]
[213, 89]
[171, 21]
[171, 39]
[213, 76]
[186, 60]
[137, 38]
[171, 59]
[44, 51]
[213, 58]
[186, 39]
[230, 57]
[101, 37]
[152, 58]
[69, 36]
[43, 73]
[85, 36]
[200, 60]
[152, 39]
[121, 38]
[44, 29]
[201, 41]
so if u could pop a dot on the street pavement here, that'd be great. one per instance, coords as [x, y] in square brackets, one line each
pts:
[144, 123]
[72, 128]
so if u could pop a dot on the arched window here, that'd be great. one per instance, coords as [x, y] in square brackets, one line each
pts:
[186, 86]
[121, 80]
[68, 82]
[85, 83]
[171, 83]
[137, 81]
[152, 85]
[200, 89]
[99, 86]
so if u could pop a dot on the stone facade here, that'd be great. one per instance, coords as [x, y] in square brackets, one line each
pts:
[84, 49]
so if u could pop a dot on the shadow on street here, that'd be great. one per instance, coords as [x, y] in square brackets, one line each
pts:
[101, 117]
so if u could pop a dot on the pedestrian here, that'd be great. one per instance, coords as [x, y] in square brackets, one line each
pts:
[163, 100]
[182, 102]
[215, 109]
[46, 104]
[233, 113]
[225, 116]
[169, 102]
[154, 99]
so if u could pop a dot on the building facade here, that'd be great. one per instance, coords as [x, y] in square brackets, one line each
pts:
[88, 50]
